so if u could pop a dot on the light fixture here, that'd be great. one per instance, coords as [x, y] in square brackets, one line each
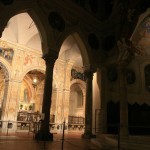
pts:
[35, 82]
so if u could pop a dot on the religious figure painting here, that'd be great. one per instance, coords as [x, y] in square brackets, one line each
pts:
[7, 53]
[28, 60]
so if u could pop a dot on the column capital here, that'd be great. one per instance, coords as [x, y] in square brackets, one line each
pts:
[89, 68]
[50, 57]
[88, 74]
[88, 71]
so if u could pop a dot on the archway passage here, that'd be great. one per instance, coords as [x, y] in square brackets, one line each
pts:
[76, 116]
[31, 91]
[69, 83]
[30, 100]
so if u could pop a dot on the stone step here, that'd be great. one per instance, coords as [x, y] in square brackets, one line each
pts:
[111, 142]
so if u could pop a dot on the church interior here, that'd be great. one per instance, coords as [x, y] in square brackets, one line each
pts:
[82, 63]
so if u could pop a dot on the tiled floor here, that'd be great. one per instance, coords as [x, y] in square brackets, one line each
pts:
[26, 142]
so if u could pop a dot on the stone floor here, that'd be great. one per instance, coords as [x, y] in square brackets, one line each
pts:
[25, 141]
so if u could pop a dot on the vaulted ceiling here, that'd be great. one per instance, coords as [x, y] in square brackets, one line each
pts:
[21, 29]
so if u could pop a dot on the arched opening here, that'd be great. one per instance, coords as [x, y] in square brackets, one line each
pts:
[76, 108]
[31, 91]
[24, 40]
[68, 68]
[30, 99]
[21, 49]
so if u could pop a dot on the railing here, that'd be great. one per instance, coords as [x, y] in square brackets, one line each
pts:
[19, 126]
[16, 126]
[32, 117]
[75, 122]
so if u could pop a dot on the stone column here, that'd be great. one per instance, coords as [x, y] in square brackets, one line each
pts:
[88, 105]
[123, 132]
[123, 100]
[125, 56]
[44, 133]
[66, 90]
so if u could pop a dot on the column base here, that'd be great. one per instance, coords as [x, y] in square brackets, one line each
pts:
[88, 136]
[41, 136]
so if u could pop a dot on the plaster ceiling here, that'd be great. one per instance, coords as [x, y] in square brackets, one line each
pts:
[70, 51]
[21, 29]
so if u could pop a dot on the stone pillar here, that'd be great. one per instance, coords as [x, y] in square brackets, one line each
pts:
[123, 100]
[123, 134]
[88, 105]
[125, 56]
[66, 90]
[44, 133]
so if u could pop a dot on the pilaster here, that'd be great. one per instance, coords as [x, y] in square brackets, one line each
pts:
[124, 58]
[10, 103]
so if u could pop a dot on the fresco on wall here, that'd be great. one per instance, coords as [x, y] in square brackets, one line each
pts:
[31, 60]
[24, 93]
[7, 53]
[25, 99]
[141, 38]
[1, 86]
[28, 60]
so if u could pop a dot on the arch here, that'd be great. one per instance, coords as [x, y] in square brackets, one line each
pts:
[77, 100]
[78, 90]
[28, 92]
[42, 70]
[142, 18]
[34, 13]
[81, 42]
[81, 84]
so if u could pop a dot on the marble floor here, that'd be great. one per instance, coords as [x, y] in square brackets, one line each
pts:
[25, 141]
